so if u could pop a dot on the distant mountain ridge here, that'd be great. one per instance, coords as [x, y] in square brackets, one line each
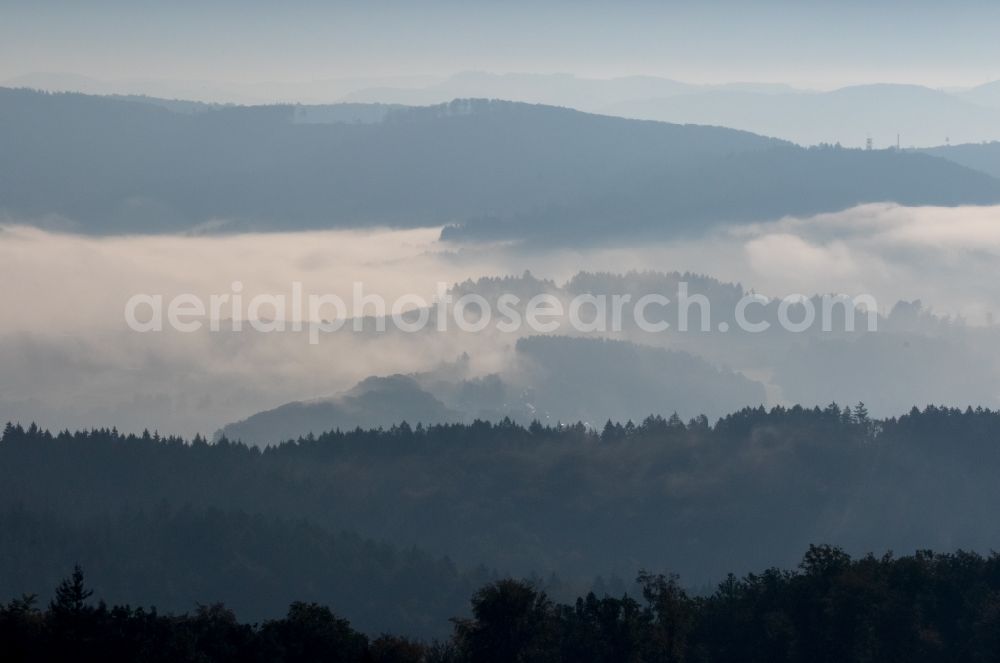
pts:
[912, 114]
[489, 169]
[984, 157]
[987, 94]
[922, 116]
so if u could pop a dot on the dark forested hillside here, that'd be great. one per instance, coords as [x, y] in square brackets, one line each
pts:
[175, 556]
[695, 498]
[488, 168]
[746, 186]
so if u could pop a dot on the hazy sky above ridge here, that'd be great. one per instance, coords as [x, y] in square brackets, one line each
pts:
[809, 44]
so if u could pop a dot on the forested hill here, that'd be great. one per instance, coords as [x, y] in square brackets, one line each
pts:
[552, 379]
[486, 168]
[697, 498]
[984, 157]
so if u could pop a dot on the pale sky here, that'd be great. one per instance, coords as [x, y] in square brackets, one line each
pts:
[809, 44]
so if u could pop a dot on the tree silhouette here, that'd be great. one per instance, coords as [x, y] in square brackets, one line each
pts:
[71, 595]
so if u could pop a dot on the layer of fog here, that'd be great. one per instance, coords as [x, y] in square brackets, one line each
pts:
[67, 358]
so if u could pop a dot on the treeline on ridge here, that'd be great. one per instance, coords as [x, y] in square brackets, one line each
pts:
[450, 504]
[489, 168]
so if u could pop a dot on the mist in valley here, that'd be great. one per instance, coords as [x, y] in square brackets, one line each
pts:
[438, 325]
[70, 360]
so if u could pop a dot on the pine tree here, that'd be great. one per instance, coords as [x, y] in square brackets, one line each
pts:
[71, 594]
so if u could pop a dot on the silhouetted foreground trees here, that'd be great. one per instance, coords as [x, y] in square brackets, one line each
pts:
[925, 607]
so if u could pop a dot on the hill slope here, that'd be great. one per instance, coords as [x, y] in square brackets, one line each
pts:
[984, 157]
[919, 115]
[105, 165]
[551, 379]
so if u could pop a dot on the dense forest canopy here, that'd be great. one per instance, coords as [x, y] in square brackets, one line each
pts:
[294, 519]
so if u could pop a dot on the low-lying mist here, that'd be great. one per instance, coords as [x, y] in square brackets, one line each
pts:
[67, 358]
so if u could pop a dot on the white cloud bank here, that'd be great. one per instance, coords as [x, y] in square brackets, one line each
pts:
[68, 359]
